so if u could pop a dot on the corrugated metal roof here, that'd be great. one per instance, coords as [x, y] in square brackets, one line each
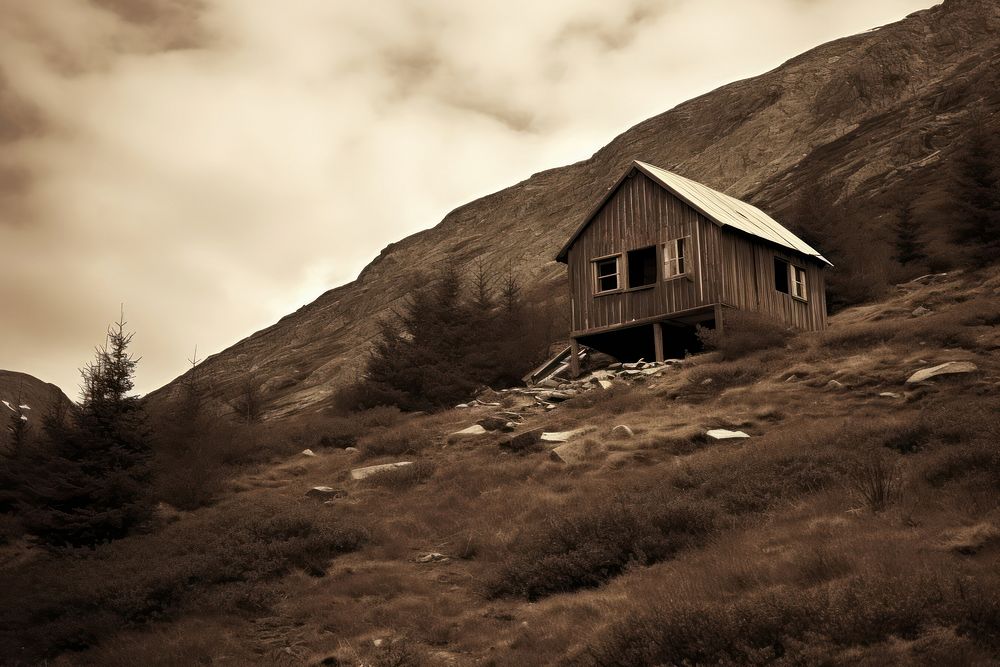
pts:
[716, 206]
[728, 211]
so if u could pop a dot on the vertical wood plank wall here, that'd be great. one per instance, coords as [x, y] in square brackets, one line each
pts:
[725, 266]
[639, 214]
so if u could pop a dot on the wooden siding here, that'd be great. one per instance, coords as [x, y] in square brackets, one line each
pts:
[724, 266]
[639, 214]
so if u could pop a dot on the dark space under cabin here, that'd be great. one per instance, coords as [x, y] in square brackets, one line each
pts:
[661, 253]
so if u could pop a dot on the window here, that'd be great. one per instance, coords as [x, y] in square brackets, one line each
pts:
[641, 267]
[781, 275]
[675, 258]
[798, 282]
[790, 279]
[606, 274]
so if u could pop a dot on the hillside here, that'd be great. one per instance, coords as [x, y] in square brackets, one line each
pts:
[857, 524]
[860, 124]
[23, 389]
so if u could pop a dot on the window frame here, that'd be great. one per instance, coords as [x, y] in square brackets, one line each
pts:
[672, 257]
[596, 278]
[793, 282]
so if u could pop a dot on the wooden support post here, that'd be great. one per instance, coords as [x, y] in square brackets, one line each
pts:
[718, 318]
[574, 358]
[658, 340]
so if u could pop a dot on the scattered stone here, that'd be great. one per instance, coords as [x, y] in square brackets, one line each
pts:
[834, 384]
[622, 431]
[367, 471]
[792, 378]
[326, 493]
[725, 434]
[432, 557]
[523, 442]
[462, 405]
[615, 366]
[920, 310]
[707, 381]
[604, 384]
[890, 394]
[572, 453]
[475, 429]
[557, 396]
[493, 422]
[509, 427]
[947, 368]
[308, 452]
[350, 449]
[559, 436]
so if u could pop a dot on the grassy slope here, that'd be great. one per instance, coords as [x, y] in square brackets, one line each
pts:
[758, 550]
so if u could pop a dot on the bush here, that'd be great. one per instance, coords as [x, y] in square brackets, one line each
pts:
[584, 545]
[743, 334]
[726, 374]
[395, 441]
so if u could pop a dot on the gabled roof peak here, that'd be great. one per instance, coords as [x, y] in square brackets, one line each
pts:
[718, 207]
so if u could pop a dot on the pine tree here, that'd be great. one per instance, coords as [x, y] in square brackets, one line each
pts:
[88, 483]
[908, 233]
[977, 195]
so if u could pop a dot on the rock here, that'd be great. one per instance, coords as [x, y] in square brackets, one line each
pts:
[511, 416]
[462, 405]
[432, 557]
[493, 422]
[792, 378]
[706, 381]
[833, 384]
[947, 368]
[474, 430]
[308, 452]
[920, 310]
[361, 473]
[326, 493]
[558, 436]
[509, 427]
[488, 396]
[604, 384]
[890, 394]
[615, 366]
[724, 434]
[622, 431]
[523, 442]
[549, 382]
[572, 453]
[350, 449]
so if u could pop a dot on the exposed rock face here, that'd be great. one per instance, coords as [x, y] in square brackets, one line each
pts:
[30, 391]
[861, 115]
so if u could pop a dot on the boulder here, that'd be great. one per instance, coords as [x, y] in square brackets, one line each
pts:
[622, 431]
[367, 471]
[523, 442]
[725, 434]
[325, 493]
[947, 368]
[572, 453]
[493, 422]
[509, 427]
[471, 431]
[604, 384]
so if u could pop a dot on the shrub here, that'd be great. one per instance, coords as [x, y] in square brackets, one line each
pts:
[395, 441]
[584, 545]
[726, 374]
[743, 334]
[875, 480]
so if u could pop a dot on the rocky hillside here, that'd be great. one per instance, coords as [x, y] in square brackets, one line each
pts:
[23, 389]
[864, 118]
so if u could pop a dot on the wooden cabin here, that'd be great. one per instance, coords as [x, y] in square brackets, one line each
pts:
[661, 253]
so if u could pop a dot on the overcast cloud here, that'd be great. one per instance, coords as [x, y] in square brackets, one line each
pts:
[215, 164]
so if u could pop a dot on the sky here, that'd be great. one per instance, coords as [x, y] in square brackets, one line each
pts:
[215, 164]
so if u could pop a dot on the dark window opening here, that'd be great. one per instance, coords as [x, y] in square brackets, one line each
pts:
[606, 272]
[781, 275]
[642, 267]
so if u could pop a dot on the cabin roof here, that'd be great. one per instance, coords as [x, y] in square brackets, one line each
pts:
[718, 207]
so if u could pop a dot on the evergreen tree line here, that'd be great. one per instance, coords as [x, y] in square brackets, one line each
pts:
[451, 338]
[85, 478]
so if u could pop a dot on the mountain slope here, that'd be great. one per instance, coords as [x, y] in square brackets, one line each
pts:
[864, 118]
[23, 389]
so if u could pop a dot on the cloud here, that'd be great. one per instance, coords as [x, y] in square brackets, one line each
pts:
[214, 164]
